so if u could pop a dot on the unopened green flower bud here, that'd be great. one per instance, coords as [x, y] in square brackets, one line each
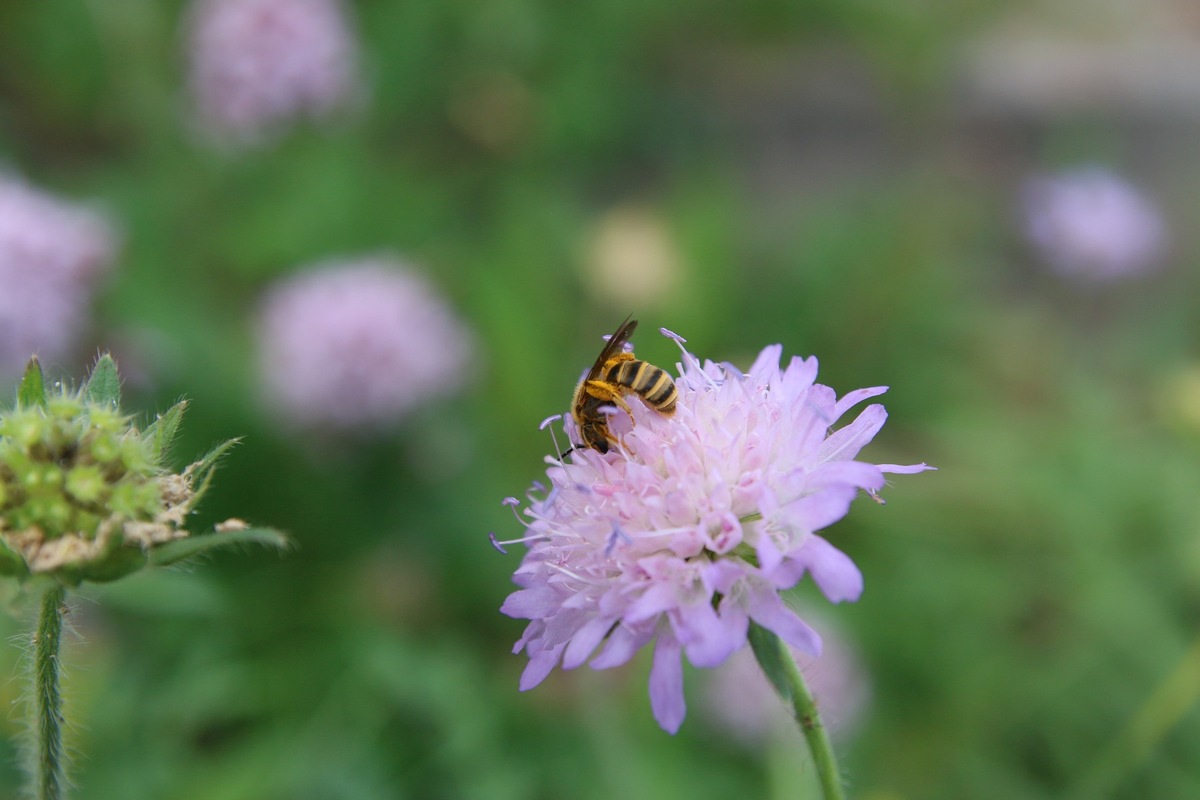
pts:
[136, 457]
[136, 501]
[107, 419]
[64, 406]
[85, 484]
[50, 514]
[85, 523]
[104, 448]
[24, 430]
[42, 479]
[84, 494]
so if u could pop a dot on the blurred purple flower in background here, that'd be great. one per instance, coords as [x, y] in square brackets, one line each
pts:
[740, 702]
[358, 344]
[1092, 223]
[52, 255]
[694, 525]
[256, 65]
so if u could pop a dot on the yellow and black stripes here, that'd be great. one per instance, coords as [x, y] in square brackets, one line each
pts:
[649, 382]
[617, 373]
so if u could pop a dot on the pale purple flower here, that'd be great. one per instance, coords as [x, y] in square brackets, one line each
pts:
[256, 65]
[1093, 224]
[358, 344]
[694, 525]
[740, 702]
[52, 255]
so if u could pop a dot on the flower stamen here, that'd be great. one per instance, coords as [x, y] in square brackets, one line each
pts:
[617, 534]
[499, 544]
[514, 504]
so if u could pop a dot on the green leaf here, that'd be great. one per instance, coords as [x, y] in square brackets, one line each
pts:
[182, 549]
[117, 563]
[201, 471]
[161, 432]
[104, 384]
[32, 391]
[11, 562]
[768, 649]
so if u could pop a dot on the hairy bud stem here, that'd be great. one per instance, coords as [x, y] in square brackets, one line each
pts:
[49, 771]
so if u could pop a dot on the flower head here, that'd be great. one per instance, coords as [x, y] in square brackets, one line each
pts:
[84, 493]
[1093, 224]
[692, 527]
[258, 64]
[358, 345]
[51, 255]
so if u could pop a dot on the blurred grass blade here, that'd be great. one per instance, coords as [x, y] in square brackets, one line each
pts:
[104, 384]
[162, 431]
[183, 549]
[32, 391]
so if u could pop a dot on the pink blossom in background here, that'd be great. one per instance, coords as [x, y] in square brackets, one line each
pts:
[52, 255]
[358, 344]
[738, 700]
[1093, 224]
[691, 528]
[256, 65]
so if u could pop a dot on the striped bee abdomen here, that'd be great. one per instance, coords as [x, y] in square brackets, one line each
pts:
[649, 382]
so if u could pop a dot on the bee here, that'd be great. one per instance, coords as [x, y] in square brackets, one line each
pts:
[617, 373]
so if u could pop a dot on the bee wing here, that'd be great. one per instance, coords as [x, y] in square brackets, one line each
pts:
[613, 345]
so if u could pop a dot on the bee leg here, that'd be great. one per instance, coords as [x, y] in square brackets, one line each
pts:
[603, 391]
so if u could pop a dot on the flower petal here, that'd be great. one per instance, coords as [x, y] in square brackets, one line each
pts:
[621, 645]
[905, 469]
[532, 633]
[801, 372]
[666, 684]
[836, 575]
[767, 363]
[654, 600]
[585, 640]
[536, 603]
[851, 399]
[820, 510]
[708, 638]
[844, 443]
[539, 666]
[767, 609]
[769, 556]
[852, 473]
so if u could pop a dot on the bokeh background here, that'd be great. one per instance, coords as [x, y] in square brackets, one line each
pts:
[987, 206]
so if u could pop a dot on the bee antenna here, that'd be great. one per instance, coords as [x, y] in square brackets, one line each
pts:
[548, 422]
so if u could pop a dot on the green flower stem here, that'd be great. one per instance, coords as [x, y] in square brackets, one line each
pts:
[804, 708]
[781, 669]
[50, 767]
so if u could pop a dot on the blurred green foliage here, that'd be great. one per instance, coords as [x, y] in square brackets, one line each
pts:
[1023, 604]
